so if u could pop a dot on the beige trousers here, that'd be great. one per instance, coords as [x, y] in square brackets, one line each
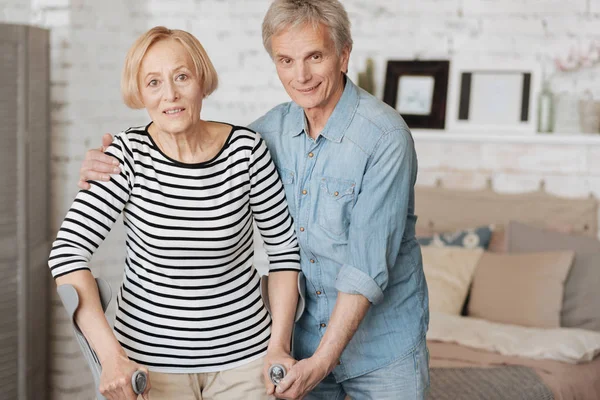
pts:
[242, 383]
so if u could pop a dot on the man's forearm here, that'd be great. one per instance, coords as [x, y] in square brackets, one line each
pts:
[283, 298]
[348, 313]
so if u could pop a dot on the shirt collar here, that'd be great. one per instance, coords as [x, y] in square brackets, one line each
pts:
[338, 122]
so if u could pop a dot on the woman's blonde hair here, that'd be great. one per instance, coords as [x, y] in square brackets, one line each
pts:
[283, 14]
[205, 70]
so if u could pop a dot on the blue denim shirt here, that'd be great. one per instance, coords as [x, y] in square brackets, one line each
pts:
[351, 194]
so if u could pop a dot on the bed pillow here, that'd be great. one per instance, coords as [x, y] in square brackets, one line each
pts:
[581, 302]
[449, 271]
[469, 238]
[560, 344]
[520, 289]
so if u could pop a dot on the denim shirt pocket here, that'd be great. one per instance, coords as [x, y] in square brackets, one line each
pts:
[336, 199]
[288, 178]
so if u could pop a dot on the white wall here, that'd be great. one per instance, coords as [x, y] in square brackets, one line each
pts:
[564, 166]
[15, 11]
[90, 38]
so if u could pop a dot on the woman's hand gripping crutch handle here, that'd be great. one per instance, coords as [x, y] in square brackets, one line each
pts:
[70, 299]
[139, 379]
[277, 371]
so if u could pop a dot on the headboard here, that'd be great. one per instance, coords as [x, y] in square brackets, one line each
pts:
[439, 210]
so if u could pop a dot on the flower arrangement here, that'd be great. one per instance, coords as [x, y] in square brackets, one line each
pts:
[579, 57]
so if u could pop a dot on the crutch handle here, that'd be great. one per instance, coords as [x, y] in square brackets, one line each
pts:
[70, 298]
[139, 379]
[276, 373]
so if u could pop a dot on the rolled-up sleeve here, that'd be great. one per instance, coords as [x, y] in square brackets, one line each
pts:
[379, 217]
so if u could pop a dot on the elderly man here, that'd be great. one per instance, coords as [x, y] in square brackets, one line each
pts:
[348, 165]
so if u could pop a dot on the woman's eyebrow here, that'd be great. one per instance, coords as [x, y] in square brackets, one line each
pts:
[178, 68]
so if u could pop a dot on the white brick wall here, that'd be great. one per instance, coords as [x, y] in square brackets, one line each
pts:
[523, 7]
[570, 170]
[90, 38]
[15, 11]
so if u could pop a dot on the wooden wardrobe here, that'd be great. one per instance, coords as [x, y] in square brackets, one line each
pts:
[24, 211]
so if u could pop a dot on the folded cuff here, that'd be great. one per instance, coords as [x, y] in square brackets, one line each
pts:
[353, 281]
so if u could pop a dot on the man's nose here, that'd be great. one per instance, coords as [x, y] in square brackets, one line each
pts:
[302, 72]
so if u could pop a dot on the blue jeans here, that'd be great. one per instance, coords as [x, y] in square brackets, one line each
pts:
[404, 379]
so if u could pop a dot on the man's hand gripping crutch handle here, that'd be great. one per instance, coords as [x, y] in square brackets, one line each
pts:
[70, 299]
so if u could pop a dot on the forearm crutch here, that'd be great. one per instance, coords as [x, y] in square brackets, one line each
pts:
[70, 299]
[277, 371]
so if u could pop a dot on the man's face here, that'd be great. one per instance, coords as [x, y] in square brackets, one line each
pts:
[309, 67]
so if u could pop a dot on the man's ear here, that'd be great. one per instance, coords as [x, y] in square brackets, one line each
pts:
[345, 59]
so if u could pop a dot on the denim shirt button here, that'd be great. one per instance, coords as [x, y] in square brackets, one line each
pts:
[318, 292]
[304, 191]
[323, 325]
[310, 155]
[301, 229]
[312, 261]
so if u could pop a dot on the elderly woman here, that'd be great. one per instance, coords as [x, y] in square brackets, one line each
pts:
[189, 309]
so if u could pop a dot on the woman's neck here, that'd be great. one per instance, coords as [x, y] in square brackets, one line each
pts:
[200, 143]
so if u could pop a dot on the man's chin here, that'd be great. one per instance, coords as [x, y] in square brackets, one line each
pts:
[306, 103]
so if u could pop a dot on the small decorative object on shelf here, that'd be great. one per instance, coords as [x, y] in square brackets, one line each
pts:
[488, 96]
[366, 79]
[417, 90]
[566, 114]
[545, 109]
[574, 113]
[589, 114]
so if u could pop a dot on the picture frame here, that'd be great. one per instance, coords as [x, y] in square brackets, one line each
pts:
[491, 97]
[418, 91]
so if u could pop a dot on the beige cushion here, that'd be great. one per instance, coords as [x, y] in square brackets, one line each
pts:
[520, 289]
[581, 302]
[449, 271]
[498, 241]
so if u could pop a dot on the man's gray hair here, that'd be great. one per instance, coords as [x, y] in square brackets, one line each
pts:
[284, 14]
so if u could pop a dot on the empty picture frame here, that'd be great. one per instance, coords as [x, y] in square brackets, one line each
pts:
[493, 97]
[418, 90]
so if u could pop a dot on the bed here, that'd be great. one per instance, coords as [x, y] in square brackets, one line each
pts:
[514, 294]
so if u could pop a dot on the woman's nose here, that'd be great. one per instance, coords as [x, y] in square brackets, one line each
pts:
[170, 92]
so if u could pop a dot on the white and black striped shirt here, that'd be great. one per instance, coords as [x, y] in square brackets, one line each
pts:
[190, 299]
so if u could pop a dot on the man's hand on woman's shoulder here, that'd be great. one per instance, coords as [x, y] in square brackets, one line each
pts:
[98, 166]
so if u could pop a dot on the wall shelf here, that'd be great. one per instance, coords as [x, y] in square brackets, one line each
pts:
[433, 135]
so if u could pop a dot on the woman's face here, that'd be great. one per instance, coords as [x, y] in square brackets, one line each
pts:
[170, 88]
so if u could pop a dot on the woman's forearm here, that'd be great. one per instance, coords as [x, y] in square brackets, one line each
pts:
[283, 299]
[90, 316]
